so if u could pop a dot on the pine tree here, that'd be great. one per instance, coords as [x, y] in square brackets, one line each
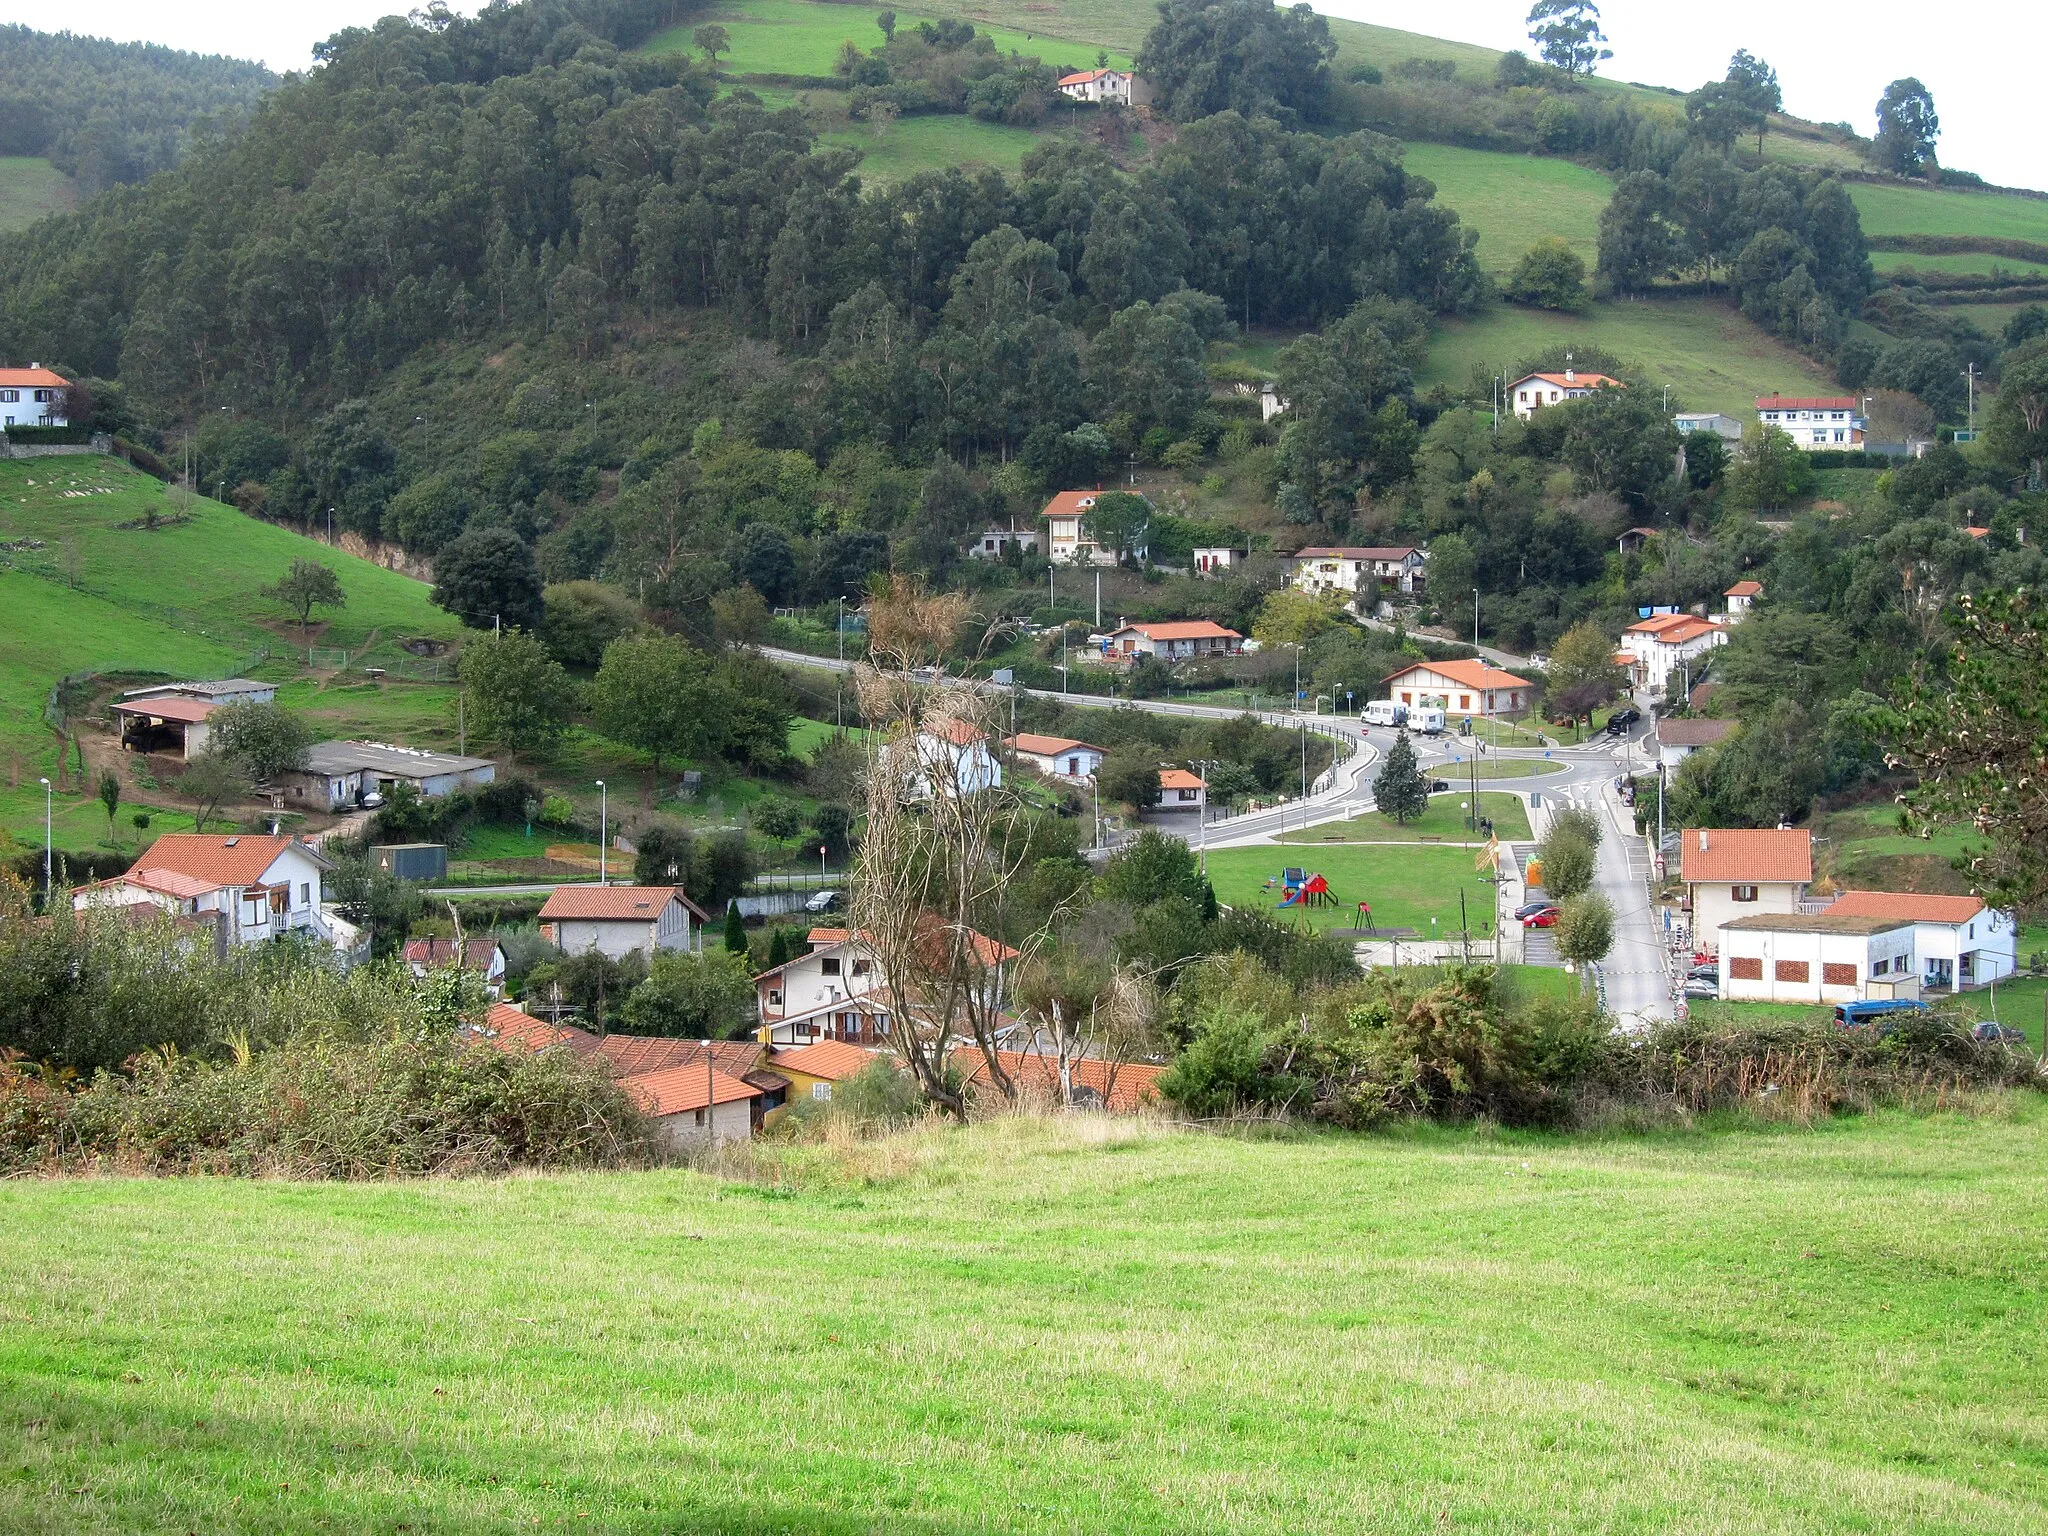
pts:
[735, 929]
[1401, 791]
[778, 948]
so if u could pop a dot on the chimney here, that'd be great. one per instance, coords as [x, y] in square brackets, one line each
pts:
[1703, 839]
[1569, 376]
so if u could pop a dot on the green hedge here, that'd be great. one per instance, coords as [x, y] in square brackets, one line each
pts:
[49, 434]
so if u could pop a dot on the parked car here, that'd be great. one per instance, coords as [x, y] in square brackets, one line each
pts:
[1697, 990]
[1439, 786]
[1532, 906]
[1627, 715]
[1704, 973]
[824, 901]
[1543, 917]
[1992, 1030]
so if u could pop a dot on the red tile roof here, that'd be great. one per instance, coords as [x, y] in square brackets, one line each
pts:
[614, 903]
[508, 1028]
[1085, 76]
[1047, 746]
[239, 860]
[832, 1060]
[822, 938]
[1121, 1088]
[678, 1090]
[168, 707]
[440, 952]
[1692, 733]
[1745, 589]
[1806, 403]
[1182, 629]
[1746, 855]
[636, 1055]
[1179, 778]
[962, 733]
[1905, 904]
[1675, 628]
[1356, 552]
[31, 378]
[1468, 674]
[1576, 380]
[1070, 503]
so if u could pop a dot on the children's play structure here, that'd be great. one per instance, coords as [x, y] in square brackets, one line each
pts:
[1302, 888]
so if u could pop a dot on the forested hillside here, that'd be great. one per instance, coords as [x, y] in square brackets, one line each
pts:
[106, 112]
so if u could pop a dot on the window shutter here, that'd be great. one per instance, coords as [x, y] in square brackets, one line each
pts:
[1834, 975]
[1746, 968]
[1791, 970]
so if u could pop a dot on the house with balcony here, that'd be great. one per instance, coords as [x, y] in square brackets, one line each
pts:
[1176, 640]
[1358, 570]
[249, 889]
[1814, 422]
[1731, 873]
[1960, 943]
[839, 990]
[1058, 757]
[1665, 643]
[1067, 542]
[1532, 392]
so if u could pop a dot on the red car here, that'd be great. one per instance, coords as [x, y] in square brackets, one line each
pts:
[1545, 918]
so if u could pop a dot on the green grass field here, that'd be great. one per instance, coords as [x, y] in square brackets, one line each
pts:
[1516, 200]
[1889, 262]
[31, 189]
[1903, 210]
[1407, 885]
[802, 37]
[1495, 768]
[1059, 1326]
[1713, 359]
[1443, 820]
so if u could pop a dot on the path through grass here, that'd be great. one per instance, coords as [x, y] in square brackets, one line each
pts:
[1059, 1327]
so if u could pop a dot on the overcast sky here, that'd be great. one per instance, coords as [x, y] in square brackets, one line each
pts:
[1981, 60]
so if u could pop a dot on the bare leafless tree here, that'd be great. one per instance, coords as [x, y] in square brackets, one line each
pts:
[941, 851]
[1084, 1006]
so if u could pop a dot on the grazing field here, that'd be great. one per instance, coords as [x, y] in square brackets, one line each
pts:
[1902, 210]
[1406, 884]
[31, 189]
[1713, 359]
[1516, 200]
[1443, 820]
[1059, 1326]
[1890, 263]
[802, 37]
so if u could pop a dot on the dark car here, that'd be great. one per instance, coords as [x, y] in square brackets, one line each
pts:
[1704, 973]
[1992, 1030]
[1530, 906]
[1543, 917]
[1623, 718]
[1439, 786]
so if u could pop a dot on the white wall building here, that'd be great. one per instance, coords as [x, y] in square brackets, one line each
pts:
[1360, 568]
[32, 397]
[1668, 643]
[1814, 422]
[1790, 958]
[1960, 942]
[954, 759]
[1709, 421]
[1460, 688]
[694, 1106]
[1679, 739]
[1058, 757]
[249, 889]
[1211, 559]
[1732, 873]
[1066, 542]
[1105, 86]
[835, 992]
[1180, 790]
[1177, 640]
[1532, 392]
[995, 543]
[616, 920]
[340, 773]
[1741, 598]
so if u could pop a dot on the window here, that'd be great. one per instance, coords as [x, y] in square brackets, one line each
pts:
[821, 1091]
[305, 894]
[1791, 970]
[1834, 974]
[862, 967]
[829, 965]
[10, 395]
[1746, 968]
[43, 396]
[697, 1117]
[1880, 965]
[1464, 701]
[774, 997]
[1742, 893]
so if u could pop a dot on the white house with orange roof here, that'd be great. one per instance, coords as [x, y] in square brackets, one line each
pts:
[617, 920]
[1665, 643]
[1118, 87]
[1814, 422]
[836, 990]
[1530, 393]
[1180, 790]
[1738, 872]
[1058, 757]
[1741, 597]
[1460, 688]
[1066, 542]
[1960, 942]
[954, 757]
[1173, 640]
[1359, 568]
[32, 397]
[251, 889]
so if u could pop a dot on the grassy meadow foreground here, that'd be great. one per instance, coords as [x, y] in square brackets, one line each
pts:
[1070, 1326]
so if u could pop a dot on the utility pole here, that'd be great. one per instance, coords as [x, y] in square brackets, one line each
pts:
[1970, 374]
[461, 727]
[1098, 599]
[1475, 618]
[603, 821]
[839, 677]
[49, 825]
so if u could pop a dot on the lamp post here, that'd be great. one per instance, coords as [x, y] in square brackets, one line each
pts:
[1202, 765]
[1475, 618]
[839, 677]
[603, 824]
[47, 826]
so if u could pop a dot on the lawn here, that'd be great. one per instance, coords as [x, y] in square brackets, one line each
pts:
[1902, 210]
[802, 37]
[1463, 769]
[1516, 200]
[1713, 359]
[31, 189]
[1443, 820]
[1406, 884]
[1059, 1326]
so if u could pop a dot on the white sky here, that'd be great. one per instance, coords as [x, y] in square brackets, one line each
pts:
[1981, 61]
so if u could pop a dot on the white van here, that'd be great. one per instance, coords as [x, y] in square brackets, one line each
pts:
[1426, 718]
[1384, 712]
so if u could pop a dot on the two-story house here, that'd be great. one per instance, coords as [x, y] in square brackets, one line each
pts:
[1067, 542]
[952, 757]
[1960, 942]
[616, 920]
[1178, 640]
[1814, 422]
[32, 397]
[838, 991]
[1460, 688]
[1058, 757]
[1530, 393]
[1117, 87]
[1358, 569]
[1736, 872]
[1666, 643]
[1741, 598]
[249, 888]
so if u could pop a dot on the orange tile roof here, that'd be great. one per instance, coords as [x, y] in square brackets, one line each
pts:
[962, 733]
[1745, 589]
[1181, 629]
[1085, 76]
[1127, 1088]
[168, 707]
[637, 1055]
[822, 938]
[832, 1060]
[678, 1090]
[1905, 904]
[1978, 533]
[1469, 674]
[614, 903]
[239, 860]
[1356, 552]
[1806, 402]
[1746, 855]
[31, 378]
[1047, 746]
[1179, 778]
[168, 882]
[1576, 381]
[1657, 623]
[1070, 503]
[508, 1028]
[439, 952]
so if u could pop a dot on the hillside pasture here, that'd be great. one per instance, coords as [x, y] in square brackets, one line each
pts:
[802, 37]
[1056, 1326]
[1713, 359]
[1889, 263]
[31, 188]
[1516, 200]
[1897, 209]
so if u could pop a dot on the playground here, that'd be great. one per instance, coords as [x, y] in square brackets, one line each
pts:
[1404, 886]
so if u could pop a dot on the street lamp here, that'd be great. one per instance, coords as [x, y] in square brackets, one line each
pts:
[47, 824]
[603, 824]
